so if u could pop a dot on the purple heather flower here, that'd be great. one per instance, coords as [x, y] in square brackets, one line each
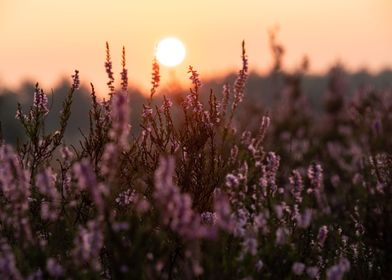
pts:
[298, 268]
[225, 100]
[66, 153]
[107, 111]
[234, 154]
[109, 70]
[268, 177]
[222, 210]
[192, 102]
[259, 265]
[8, 269]
[246, 137]
[147, 112]
[322, 235]
[109, 159]
[155, 78]
[142, 204]
[40, 103]
[264, 125]
[195, 79]
[13, 178]
[312, 271]
[46, 183]
[261, 222]
[124, 73]
[120, 119]
[88, 245]
[75, 80]
[87, 181]
[304, 220]
[54, 268]
[315, 175]
[279, 211]
[242, 219]
[167, 104]
[239, 85]
[15, 188]
[176, 207]
[296, 186]
[337, 271]
[250, 244]
[126, 197]
[208, 218]
[232, 181]
[281, 235]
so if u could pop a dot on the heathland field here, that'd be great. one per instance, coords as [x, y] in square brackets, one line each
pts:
[223, 181]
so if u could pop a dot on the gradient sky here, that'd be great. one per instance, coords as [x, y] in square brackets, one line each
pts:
[45, 40]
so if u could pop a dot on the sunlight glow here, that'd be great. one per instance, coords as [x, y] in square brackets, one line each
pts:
[170, 52]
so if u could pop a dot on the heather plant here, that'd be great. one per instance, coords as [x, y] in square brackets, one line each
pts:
[193, 195]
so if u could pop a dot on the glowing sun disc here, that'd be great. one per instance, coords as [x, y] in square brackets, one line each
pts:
[170, 52]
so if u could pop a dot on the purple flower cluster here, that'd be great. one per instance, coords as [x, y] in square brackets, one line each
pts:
[88, 245]
[176, 207]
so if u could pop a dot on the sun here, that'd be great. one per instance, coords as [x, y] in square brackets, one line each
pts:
[170, 51]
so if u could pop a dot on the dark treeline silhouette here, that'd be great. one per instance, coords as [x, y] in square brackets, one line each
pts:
[79, 121]
[261, 91]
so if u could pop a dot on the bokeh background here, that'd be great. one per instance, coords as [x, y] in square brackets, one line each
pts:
[45, 40]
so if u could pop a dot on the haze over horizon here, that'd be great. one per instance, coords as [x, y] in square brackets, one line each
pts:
[45, 40]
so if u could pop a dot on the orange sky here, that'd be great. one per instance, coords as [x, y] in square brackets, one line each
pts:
[46, 39]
